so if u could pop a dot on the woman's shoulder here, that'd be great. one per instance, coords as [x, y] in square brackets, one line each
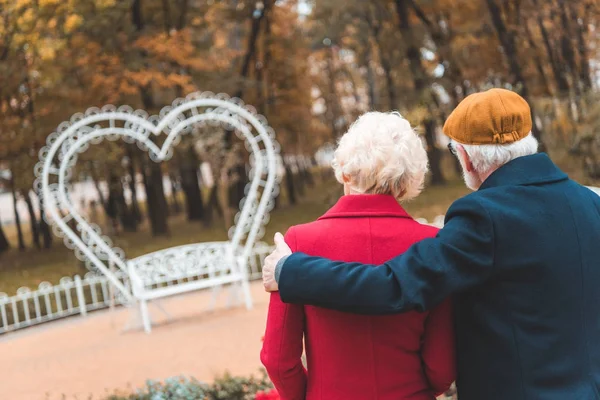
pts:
[303, 229]
[310, 236]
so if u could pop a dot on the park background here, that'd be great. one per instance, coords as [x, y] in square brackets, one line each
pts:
[310, 67]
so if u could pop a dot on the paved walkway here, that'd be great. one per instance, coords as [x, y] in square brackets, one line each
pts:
[80, 357]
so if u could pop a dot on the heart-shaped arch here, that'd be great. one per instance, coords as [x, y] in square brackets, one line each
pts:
[198, 109]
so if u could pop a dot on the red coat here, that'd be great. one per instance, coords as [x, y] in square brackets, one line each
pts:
[356, 357]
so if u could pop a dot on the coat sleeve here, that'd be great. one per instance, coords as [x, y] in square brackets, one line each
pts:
[459, 257]
[282, 347]
[439, 349]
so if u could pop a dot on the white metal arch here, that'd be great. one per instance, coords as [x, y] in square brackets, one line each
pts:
[198, 109]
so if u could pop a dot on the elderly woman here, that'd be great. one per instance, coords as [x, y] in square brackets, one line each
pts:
[380, 162]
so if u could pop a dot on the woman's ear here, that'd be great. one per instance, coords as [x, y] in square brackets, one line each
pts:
[345, 178]
[464, 157]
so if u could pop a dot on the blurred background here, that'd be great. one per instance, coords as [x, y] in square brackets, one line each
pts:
[310, 67]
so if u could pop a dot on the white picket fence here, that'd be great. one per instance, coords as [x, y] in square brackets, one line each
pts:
[78, 296]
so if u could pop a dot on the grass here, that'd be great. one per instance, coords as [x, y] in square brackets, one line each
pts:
[435, 200]
[31, 267]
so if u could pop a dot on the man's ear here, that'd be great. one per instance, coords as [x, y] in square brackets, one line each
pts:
[464, 157]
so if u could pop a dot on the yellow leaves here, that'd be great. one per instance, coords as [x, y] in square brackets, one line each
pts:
[220, 40]
[177, 50]
[27, 18]
[416, 115]
[52, 23]
[72, 22]
[178, 80]
[127, 88]
[136, 79]
[18, 4]
[139, 78]
[47, 3]
[105, 3]
[47, 53]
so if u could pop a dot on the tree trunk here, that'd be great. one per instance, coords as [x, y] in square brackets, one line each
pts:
[137, 17]
[4, 245]
[308, 177]
[568, 48]
[152, 174]
[419, 75]
[389, 80]
[299, 179]
[251, 48]
[538, 62]
[44, 228]
[194, 203]
[435, 155]
[35, 232]
[213, 203]
[269, 87]
[182, 14]
[261, 98]
[117, 203]
[166, 15]
[248, 56]
[369, 55]
[507, 40]
[270, 92]
[101, 198]
[239, 186]
[584, 71]
[561, 82]
[175, 206]
[374, 19]
[135, 207]
[156, 203]
[413, 52]
[17, 216]
[441, 39]
[289, 183]
[371, 85]
[332, 99]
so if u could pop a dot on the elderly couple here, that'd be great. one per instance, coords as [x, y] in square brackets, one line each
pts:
[504, 299]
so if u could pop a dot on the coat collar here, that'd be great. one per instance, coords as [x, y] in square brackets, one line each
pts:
[366, 205]
[528, 170]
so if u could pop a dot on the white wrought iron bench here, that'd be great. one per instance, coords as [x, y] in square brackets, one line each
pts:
[188, 268]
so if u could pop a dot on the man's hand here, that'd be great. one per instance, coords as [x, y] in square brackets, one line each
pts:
[268, 272]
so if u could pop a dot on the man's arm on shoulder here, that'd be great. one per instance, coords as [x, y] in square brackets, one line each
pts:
[459, 257]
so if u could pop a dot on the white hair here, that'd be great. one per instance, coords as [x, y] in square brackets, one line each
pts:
[488, 157]
[381, 154]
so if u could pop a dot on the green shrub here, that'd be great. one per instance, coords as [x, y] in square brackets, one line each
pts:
[182, 388]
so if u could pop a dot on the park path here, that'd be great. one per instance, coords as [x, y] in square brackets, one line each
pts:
[87, 356]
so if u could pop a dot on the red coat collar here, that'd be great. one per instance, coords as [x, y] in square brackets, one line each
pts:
[366, 205]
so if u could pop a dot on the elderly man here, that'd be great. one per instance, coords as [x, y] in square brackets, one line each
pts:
[520, 256]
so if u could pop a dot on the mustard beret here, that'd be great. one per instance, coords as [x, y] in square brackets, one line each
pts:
[496, 116]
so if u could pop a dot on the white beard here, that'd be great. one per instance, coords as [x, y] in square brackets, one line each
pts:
[472, 180]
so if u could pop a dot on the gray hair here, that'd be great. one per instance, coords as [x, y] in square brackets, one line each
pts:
[490, 156]
[382, 154]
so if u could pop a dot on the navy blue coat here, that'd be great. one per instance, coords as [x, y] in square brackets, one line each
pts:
[521, 257]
